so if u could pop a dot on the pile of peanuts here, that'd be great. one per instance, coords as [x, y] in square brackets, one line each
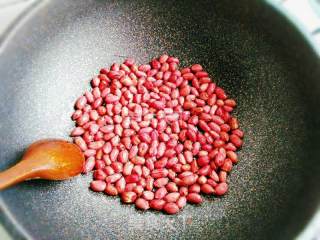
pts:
[155, 135]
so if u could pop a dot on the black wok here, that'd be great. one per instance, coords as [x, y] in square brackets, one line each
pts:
[250, 49]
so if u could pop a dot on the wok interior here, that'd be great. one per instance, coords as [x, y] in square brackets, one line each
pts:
[248, 49]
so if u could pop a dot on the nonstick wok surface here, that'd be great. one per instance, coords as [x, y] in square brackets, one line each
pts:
[248, 48]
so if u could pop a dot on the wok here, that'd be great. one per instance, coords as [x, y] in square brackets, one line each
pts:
[252, 51]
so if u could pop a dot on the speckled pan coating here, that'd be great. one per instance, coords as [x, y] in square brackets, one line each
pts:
[252, 53]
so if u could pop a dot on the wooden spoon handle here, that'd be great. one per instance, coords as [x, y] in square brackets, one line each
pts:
[16, 174]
